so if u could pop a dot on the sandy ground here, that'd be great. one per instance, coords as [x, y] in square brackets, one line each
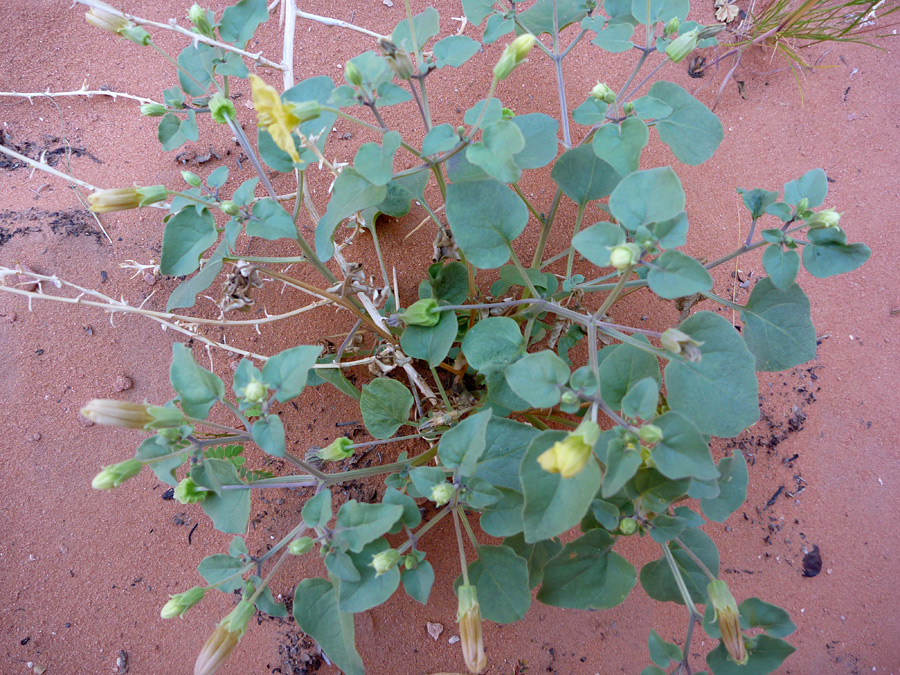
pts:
[84, 574]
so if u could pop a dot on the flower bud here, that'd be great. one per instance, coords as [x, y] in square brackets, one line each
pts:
[683, 45]
[423, 312]
[628, 108]
[180, 603]
[628, 526]
[153, 109]
[108, 21]
[114, 475]
[442, 493]
[650, 434]
[672, 26]
[468, 616]
[569, 398]
[384, 561]
[802, 205]
[569, 456]
[300, 546]
[117, 413]
[306, 111]
[410, 562]
[137, 35]
[150, 194]
[191, 178]
[118, 199]
[729, 620]
[824, 219]
[221, 109]
[624, 256]
[397, 59]
[188, 492]
[710, 31]
[230, 208]
[602, 92]
[224, 639]
[200, 18]
[340, 448]
[513, 55]
[353, 74]
[254, 392]
[681, 343]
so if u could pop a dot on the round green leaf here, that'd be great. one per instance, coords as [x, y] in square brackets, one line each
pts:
[316, 613]
[777, 326]
[485, 216]
[676, 275]
[500, 578]
[691, 131]
[493, 343]
[582, 176]
[646, 197]
[385, 406]
[537, 378]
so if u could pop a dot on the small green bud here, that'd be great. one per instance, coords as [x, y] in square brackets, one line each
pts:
[681, 343]
[410, 562]
[514, 54]
[340, 448]
[710, 31]
[442, 493]
[650, 434]
[672, 26]
[802, 205]
[683, 45]
[569, 398]
[114, 475]
[824, 219]
[507, 114]
[255, 391]
[300, 546]
[628, 108]
[188, 492]
[180, 603]
[397, 59]
[191, 178]
[221, 109]
[353, 74]
[602, 92]
[150, 194]
[423, 312]
[201, 20]
[137, 35]
[624, 256]
[153, 109]
[628, 526]
[237, 620]
[385, 561]
[230, 208]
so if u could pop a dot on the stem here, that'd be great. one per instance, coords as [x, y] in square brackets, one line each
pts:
[697, 561]
[531, 208]
[251, 154]
[344, 476]
[640, 84]
[80, 92]
[545, 230]
[47, 168]
[414, 538]
[560, 84]
[614, 294]
[467, 526]
[723, 301]
[571, 259]
[237, 413]
[487, 100]
[679, 581]
[440, 387]
[518, 264]
[328, 21]
[384, 274]
[462, 552]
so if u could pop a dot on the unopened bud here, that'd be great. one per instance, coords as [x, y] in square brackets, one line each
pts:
[300, 546]
[397, 59]
[191, 178]
[468, 616]
[106, 20]
[255, 391]
[672, 26]
[153, 109]
[515, 52]
[306, 111]
[118, 199]
[569, 398]
[384, 561]
[340, 448]
[710, 31]
[681, 343]
[221, 109]
[602, 92]
[114, 475]
[628, 108]
[117, 413]
[683, 45]
[650, 434]
[442, 493]
[423, 312]
[624, 256]
[802, 205]
[628, 526]
[824, 219]
[224, 639]
[180, 603]
[188, 492]
[200, 18]
[569, 456]
[230, 208]
[729, 620]
[137, 35]
[353, 74]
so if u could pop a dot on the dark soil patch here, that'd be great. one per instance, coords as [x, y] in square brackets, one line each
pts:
[44, 151]
[70, 223]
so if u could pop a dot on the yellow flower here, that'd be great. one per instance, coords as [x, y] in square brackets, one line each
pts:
[570, 456]
[469, 618]
[729, 620]
[224, 639]
[274, 116]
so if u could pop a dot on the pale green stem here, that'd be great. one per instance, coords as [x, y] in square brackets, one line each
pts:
[571, 258]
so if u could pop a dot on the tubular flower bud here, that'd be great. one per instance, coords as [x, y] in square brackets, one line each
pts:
[353, 74]
[306, 111]
[131, 415]
[397, 59]
[672, 26]
[224, 639]
[384, 561]
[442, 493]
[153, 109]
[602, 92]
[569, 456]
[513, 55]
[137, 35]
[569, 398]
[468, 616]
[274, 116]
[624, 256]
[107, 20]
[191, 178]
[114, 475]
[423, 312]
[230, 208]
[180, 603]
[729, 620]
[681, 343]
[300, 546]
[650, 433]
[823, 219]
[188, 492]
[683, 45]
[803, 205]
[221, 109]
[340, 448]
[118, 199]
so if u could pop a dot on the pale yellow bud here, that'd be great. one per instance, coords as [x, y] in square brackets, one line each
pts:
[470, 638]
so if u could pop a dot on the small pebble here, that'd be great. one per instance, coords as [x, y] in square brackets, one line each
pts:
[11, 317]
[35, 437]
[434, 629]
[453, 639]
[150, 279]
[122, 383]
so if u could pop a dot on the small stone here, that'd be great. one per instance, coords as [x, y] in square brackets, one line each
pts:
[35, 437]
[122, 383]
[387, 3]
[453, 639]
[11, 317]
[434, 629]
[150, 279]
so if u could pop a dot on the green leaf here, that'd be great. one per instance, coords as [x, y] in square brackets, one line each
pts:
[494, 153]
[185, 295]
[270, 221]
[766, 654]
[813, 186]
[454, 50]
[619, 11]
[449, 282]
[641, 399]
[595, 242]
[671, 233]
[317, 510]
[676, 275]
[493, 343]
[460, 169]
[464, 444]
[615, 38]
[215, 568]
[287, 371]
[376, 162]
[683, 452]
[493, 113]
[777, 326]
[659, 10]
[268, 434]
[584, 177]
[316, 613]
[363, 523]
[187, 236]
[500, 578]
[539, 17]
[400, 193]
[554, 504]
[781, 266]
[411, 517]
[266, 601]
[479, 494]
[505, 444]
[232, 65]
[622, 462]
[424, 478]
[197, 388]
[587, 574]
[385, 406]
[732, 489]
[238, 547]
[504, 517]
[540, 134]
[352, 193]
[440, 139]
[654, 670]
[649, 108]
[229, 510]
[497, 26]
[620, 145]
[418, 581]
[196, 60]
[826, 260]
[657, 579]
[157, 446]
[537, 378]
[773, 619]
[169, 133]
[663, 653]
[757, 201]
[426, 25]
[692, 132]
[605, 513]
[536, 555]
[666, 528]
[477, 10]
[371, 589]
[622, 366]
[485, 216]
[646, 197]
[719, 392]
[591, 112]
[241, 20]
[430, 343]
